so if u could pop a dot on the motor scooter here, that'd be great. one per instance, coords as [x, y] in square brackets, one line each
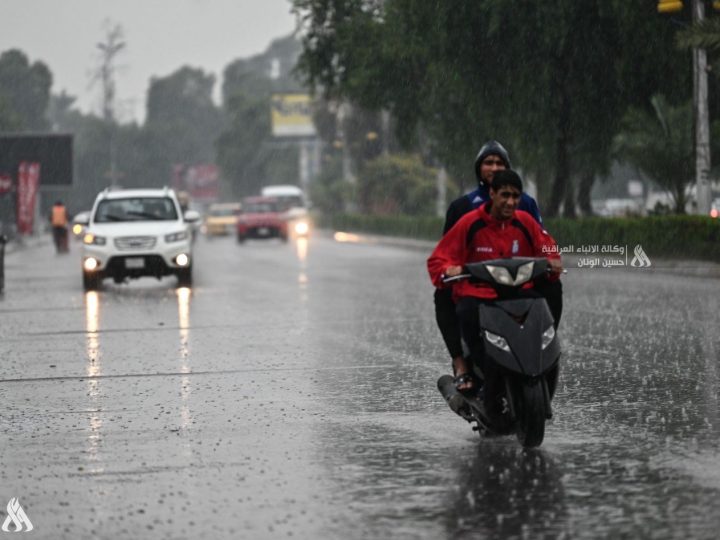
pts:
[517, 356]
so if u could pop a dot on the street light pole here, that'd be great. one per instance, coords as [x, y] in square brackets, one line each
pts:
[702, 120]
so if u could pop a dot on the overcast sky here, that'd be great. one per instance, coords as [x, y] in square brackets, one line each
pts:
[160, 36]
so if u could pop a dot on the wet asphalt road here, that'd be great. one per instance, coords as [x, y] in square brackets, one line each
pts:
[291, 394]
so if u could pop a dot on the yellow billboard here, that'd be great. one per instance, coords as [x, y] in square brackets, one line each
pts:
[292, 116]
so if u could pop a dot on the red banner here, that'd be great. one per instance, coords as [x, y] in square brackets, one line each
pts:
[5, 183]
[201, 182]
[28, 182]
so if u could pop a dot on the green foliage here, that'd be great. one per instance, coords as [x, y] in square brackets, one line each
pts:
[418, 228]
[690, 237]
[241, 153]
[397, 184]
[248, 154]
[252, 76]
[550, 80]
[329, 193]
[660, 145]
[182, 119]
[704, 34]
[694, 237]
[24, 92]
[246, 151]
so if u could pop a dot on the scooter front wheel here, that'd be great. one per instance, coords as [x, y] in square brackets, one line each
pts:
[530, 411]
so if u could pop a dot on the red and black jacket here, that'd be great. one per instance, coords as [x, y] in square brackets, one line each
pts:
[478, 236]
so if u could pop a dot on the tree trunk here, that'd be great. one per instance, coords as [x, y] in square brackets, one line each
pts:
[680, 200]
[557, 192]
[569, 203]
[562, 161]
[583, 197]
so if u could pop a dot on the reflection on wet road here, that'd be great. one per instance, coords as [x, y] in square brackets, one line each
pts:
[291, 393]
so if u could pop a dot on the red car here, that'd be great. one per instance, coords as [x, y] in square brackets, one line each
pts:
[261, 218]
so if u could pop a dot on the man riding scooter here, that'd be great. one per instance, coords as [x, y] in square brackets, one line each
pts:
[495, 230]
[491, 159]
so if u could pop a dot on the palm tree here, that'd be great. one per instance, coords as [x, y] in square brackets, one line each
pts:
[702, 35]
[660, 144]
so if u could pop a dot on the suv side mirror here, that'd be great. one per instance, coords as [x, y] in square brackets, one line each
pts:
[191, 216]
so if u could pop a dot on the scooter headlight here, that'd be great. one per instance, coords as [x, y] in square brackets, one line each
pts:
[500, 274]
[524, 273]
[547, 337]
[497, 341]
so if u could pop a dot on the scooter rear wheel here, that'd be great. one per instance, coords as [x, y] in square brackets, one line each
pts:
[530, 410]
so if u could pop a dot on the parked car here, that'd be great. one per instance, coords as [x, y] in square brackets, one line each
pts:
[222, 218]
[138, 232]
[261, 217]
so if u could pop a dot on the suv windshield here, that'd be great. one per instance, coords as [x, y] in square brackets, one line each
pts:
[136, 209]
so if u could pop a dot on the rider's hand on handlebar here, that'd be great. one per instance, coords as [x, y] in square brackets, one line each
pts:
[452, 271]
[556, 266]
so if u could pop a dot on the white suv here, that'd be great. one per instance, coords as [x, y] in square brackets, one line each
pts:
[137, 232]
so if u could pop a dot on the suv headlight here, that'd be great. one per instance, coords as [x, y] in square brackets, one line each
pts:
[176, 237]
[91, 238]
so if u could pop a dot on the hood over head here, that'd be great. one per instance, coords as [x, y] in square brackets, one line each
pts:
[490, 148]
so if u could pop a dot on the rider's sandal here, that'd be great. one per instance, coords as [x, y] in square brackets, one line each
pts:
[465, 378]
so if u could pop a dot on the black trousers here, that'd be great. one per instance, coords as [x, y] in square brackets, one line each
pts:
[449, 325]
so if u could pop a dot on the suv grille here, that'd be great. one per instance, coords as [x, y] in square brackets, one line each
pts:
[135, 242]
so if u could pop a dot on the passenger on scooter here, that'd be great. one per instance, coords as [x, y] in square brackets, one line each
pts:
[497, 229]
[491, 158]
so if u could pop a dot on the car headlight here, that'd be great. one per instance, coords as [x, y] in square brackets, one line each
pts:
[547, 337]
[176, 237]
[90, 264]
[94, 239]
[301, 227]
[77, 229]
[182, 260]
[498, 341]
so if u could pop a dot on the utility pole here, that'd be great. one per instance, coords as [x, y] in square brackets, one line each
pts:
[703, 192]
[105, 73]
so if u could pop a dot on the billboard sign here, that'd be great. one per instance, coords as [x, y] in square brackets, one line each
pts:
[53, 153]
[292, 116]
